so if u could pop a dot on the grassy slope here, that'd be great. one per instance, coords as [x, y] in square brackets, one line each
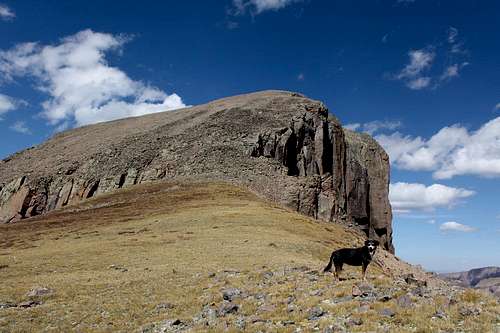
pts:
[111, 260]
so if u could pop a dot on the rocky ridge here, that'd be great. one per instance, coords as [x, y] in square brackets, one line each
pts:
[485, 278]
[282, 145]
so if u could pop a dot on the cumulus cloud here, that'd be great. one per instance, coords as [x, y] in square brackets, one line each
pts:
[6, 13]
[452, 151]
[82, 87]
[455, 226]
[374, 126]
[405, 197]
[259, 6]
[20, 127]
[7, 104]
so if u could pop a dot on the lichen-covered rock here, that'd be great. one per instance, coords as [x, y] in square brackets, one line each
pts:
[282, 145]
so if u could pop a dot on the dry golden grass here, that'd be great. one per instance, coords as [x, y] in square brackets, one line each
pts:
[170, 237]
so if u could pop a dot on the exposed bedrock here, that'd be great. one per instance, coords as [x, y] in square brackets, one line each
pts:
[283, 146]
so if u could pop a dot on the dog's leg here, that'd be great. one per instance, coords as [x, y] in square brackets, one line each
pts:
[338, 269]
[363, 270]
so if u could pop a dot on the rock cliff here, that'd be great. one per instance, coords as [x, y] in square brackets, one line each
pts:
[281, 145]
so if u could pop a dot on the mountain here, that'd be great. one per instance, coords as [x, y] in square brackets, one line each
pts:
[281, 145]
[486, 278]
[209, 219]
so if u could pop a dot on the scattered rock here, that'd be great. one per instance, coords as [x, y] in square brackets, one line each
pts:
[356, 292]
[316, 313]
[208, 314]
[6, 305]
[466, 311]
[231, 293]
[354, 322]
[118, 268]
[241, 323]
[29, 304]
[404, 301]
[260, 296]
[439, 314]
[267, 308]
[287, 322]
[166, 326]
[39, 291]
[366, 288]
[386, 312]
[364, 308]
[317, 292]
[227, 308]
[419, 291]
[164, 306]
[211, 275]
[177, 322]
[385, 298]
[410, 279]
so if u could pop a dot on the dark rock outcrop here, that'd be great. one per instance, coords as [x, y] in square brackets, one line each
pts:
[284, 146]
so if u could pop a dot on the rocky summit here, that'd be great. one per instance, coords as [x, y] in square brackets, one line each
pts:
[281, 145]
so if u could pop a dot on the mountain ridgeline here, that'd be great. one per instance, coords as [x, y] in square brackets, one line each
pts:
[283, 146]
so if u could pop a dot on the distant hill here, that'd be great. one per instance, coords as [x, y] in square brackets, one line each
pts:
[486, 278]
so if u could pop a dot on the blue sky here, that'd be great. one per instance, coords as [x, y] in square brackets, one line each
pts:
[421, 76]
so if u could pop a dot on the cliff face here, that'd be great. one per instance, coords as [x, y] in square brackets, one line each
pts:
[485, 278]
[281, 145]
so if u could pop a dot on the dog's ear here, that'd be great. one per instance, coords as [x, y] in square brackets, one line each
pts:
[377, 243]
[367, 242]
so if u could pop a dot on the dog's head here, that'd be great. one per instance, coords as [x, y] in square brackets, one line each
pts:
[371, 244]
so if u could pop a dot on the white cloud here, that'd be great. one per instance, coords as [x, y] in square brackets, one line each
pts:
[450, 152]
[20, 127]
[420, 73]
[82, 87]
[455, 226]
[420, 60]
[259, 6]
[452, 35]
[7, 104]
[419, 83]
[405, 197]
[352, 126]
[374, 126]
[412, 74]
[497, 107]
[6, 13]
[450, 72]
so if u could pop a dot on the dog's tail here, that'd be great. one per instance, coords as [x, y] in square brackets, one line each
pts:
[329, 266]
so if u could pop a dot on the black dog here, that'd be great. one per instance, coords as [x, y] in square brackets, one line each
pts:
[361, 256]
